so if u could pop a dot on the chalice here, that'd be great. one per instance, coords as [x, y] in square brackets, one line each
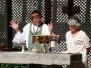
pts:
[23, 43]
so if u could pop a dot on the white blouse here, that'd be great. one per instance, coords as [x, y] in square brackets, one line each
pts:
[78, 44]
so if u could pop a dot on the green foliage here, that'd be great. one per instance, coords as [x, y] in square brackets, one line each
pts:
[13, 66]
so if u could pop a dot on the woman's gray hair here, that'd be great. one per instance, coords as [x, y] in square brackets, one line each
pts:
[74, 21]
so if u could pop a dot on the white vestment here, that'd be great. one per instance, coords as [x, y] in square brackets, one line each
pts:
[24, 35]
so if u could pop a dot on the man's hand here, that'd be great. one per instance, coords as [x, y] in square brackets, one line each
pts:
[14, 25]
[50, 25]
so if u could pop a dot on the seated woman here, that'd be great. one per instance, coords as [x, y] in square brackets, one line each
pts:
[77, 41]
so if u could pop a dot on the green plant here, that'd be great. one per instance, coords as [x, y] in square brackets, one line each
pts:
[13, 66]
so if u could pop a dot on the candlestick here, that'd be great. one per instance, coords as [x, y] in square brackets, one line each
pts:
[23, 49]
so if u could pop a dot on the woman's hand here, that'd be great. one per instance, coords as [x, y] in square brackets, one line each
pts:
[88, 50]
[14, 25]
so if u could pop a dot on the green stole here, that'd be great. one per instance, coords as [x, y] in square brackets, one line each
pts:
[30, 35]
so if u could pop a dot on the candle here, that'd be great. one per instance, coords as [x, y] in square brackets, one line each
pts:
[53, 43]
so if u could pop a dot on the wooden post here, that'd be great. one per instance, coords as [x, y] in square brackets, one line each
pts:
[9, 17]
[70, 5]
[47, 11]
